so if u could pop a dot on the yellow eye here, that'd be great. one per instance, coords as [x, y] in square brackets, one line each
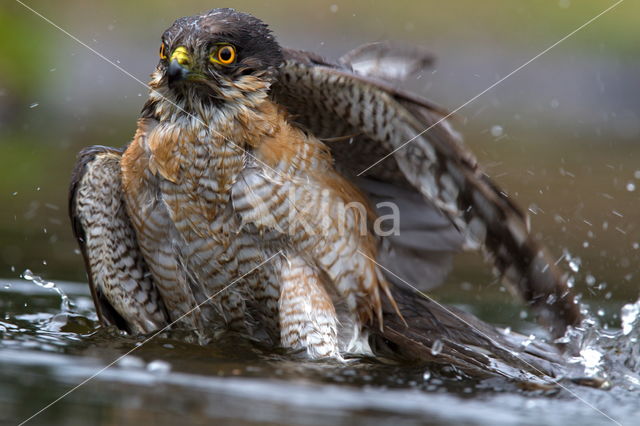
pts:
[163, 54]
[225, 55]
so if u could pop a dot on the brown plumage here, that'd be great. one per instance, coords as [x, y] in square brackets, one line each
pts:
[246, 152]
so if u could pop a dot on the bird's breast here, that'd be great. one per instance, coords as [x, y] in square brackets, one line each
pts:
[196, 170]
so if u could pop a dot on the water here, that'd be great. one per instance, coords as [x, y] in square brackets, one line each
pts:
[39, 281]
[51, 343]
[437, 347]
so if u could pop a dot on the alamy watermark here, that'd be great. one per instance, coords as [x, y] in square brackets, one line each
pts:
[322, 212]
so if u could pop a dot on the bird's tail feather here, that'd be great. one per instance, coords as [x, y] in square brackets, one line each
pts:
[447, 338]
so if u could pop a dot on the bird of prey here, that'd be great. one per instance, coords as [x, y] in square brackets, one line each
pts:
[231, 208]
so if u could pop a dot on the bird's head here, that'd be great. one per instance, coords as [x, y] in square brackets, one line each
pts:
[217, 57]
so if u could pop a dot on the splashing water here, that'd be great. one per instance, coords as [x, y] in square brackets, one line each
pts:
[36, 335]
[591, 359]
[41, 282]
[598, 352]
[613, 355]
[574, 262]
[629, 316]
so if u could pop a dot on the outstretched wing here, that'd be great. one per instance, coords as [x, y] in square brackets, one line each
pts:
[122, 289]
[364, 119]
[386, 60]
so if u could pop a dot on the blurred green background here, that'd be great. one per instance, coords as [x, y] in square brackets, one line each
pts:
[561, 136]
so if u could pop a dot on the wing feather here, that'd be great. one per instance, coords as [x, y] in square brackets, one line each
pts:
[330, 101]
[388, 61]
[122, 289]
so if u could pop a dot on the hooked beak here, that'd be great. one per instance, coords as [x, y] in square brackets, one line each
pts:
[176, 72]
[179, 67]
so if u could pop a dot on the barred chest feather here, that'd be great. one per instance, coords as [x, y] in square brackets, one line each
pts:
[211, 201]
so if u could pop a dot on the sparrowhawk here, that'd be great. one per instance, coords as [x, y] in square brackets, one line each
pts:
[244, 170]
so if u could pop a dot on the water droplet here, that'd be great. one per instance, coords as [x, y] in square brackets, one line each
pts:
[591, 360]
[426, 375]
[628, 316]
[130, 361]
[496, 131]
[33, 105]
[574, 264]
[636, 174]
[437, 347]
[631, 187]
[635, 245]
[529, 340]
[39, 281]
[590, 279]
[600, 312]
[333, 8]
[159, 366]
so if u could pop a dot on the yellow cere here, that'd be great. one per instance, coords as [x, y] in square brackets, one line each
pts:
[181, 55]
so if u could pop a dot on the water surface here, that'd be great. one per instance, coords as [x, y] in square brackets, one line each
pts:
[47, 351]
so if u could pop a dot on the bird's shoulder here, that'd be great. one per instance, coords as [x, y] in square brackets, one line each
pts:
[287, 146]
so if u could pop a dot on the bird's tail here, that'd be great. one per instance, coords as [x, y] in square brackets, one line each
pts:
[456, 342]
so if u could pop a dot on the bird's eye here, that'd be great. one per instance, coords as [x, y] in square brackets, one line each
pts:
[163, 54]
[225, 55]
